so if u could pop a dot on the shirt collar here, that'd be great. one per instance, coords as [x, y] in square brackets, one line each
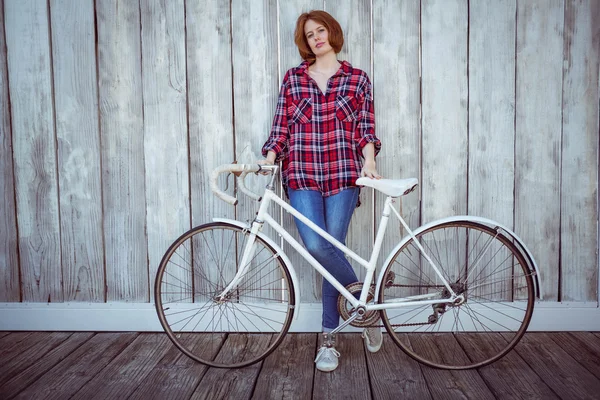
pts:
[345, 69]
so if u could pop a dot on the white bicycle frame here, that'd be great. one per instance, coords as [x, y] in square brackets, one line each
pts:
[263, 217]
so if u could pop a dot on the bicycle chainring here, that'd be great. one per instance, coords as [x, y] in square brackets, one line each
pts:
[346, 310]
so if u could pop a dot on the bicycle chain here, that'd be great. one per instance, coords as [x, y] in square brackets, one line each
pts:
[409, 286]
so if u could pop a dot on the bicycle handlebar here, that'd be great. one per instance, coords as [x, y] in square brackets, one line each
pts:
[239, 170]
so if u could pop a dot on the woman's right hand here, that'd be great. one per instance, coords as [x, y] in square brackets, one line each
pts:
[270, 160]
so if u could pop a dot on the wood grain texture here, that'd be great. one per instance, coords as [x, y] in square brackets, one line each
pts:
[36, 346]
[448, 384]
[396, 85]
[34, 142]
[352, 368]
[122, 136]
[127, 370]
[255, 73]
[538, 135]
[288, 372]
[41, 367]
[492, 29]
[584, 347]
[165, 126]
[508, 378]
[210, 104]
[355, 19]
[579, 175]
[176, 375]
[444, 108]
[557, 368]
[9, 261]
[77, 132]
[220, 383]
[392, 373]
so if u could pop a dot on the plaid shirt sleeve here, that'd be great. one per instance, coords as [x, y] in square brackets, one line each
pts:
[365, 132]
[279, 138]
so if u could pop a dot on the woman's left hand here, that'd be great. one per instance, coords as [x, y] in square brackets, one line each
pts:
[369, 170]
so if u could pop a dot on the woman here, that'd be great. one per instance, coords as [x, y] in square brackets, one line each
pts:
[322, 130]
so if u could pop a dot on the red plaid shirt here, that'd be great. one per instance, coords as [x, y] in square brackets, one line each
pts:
[319, 136]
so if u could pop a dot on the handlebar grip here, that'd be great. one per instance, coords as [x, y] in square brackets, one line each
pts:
[215, 187]
[237, 169]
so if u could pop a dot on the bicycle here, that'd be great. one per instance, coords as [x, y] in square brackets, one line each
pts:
[456, 293]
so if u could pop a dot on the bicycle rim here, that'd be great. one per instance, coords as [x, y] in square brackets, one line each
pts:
[482, 265]
[242, 328]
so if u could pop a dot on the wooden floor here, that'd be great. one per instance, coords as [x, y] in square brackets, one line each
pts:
[86, 365]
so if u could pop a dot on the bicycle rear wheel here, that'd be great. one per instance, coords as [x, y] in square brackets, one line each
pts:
[245, 326]
[479, 263]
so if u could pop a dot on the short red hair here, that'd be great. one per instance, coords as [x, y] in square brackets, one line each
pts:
[336, 36]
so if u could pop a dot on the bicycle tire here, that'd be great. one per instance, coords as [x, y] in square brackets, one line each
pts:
[485, 267]
[234, 332]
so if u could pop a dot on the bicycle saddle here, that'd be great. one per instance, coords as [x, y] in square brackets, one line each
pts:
[391, 187]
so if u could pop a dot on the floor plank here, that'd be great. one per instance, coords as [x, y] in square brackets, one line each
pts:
[392, 373]
[75, 370]
[562, 373]
[509, 377]
[26, 378]
[222, 383]
[125, 372]
[289, 371]
[9, 345]
[584, 347]
[448, 384]
[176, 375]
[28, 351]
[4, 333]
[352, 368]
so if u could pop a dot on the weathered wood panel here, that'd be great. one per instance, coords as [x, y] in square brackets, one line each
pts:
[538, 134]
[165, 126]
[210, 103]
[396, 84]
[176, 376]
[392, 373]
[509, 377]
[36, 346]
[289, 11]
[255, 86]
[573, 382]
[76, 103]
[352, 368]
[122, 137]
[579, 175]
[444, 108]
[34, 143]
[9, 262]
[355, 20]
[449, 384]
[221, 383]
[492, 109]
[584, 347]
[40, 369]
[289, 371]
[127, 370]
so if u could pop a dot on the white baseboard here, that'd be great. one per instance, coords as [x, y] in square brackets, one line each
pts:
[141, 317]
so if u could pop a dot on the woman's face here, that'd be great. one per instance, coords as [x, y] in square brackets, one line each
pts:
[317, 37]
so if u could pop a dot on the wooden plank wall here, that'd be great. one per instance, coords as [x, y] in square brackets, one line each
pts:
[113, 113]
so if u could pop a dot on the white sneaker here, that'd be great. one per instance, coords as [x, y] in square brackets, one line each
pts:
[327, 358]
[373, 338]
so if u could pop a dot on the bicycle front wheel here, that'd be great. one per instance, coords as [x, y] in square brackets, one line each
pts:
[230, 331]
[495, 288]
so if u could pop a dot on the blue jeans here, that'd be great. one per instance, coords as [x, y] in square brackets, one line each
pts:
[332, 214]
